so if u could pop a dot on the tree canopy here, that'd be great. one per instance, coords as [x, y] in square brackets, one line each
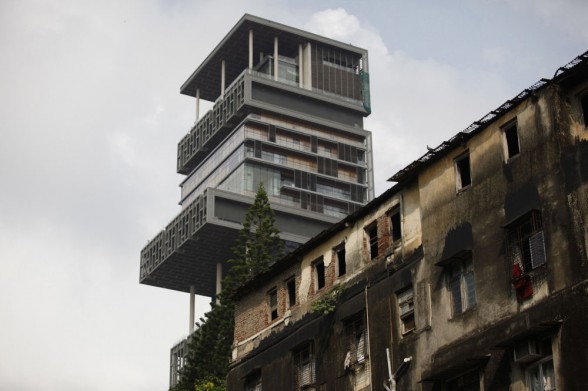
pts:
[258, 245]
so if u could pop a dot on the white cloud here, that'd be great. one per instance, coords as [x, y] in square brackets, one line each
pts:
[415, 102]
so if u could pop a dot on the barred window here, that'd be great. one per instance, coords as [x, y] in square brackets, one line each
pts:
[526, 253]
[525, 242]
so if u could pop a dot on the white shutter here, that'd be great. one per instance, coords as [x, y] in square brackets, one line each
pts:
[537, 245]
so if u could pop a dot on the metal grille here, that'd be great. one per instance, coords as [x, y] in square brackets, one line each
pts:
[182, 228]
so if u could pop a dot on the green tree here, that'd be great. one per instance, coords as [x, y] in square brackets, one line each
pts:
[257, 246]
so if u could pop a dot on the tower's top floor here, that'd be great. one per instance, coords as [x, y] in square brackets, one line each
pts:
[302, 58]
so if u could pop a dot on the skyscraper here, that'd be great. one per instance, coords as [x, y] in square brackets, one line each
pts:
[288, 112]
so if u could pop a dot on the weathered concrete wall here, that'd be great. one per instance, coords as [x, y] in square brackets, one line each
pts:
[442, 226]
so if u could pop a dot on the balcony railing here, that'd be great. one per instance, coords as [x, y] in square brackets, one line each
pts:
[184, 226]
[217, 117]
[191, 146]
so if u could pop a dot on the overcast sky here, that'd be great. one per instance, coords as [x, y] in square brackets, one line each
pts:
[90, 116]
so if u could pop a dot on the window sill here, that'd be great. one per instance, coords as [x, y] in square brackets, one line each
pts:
[465, 313]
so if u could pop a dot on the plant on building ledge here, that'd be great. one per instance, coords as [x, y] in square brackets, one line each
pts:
[328, 302]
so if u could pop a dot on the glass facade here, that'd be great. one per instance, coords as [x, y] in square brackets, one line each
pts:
[258, 152]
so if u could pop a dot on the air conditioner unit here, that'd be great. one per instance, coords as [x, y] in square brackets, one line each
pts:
[527, 351]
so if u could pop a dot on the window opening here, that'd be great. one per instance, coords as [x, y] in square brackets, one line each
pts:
[341, 262]
[462, 168]
[253, 382]
[461, 286]
[273, 303]
[291, 287]
[304, 358]
[356, 333]
[541, 376]
[526, 252]
[356, 363]
[395, 224]
[511, 137]
[406, 310]
[319, 272]
[372, 232]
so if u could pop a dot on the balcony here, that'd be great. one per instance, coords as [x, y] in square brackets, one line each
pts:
[187, 251]
[256, 90]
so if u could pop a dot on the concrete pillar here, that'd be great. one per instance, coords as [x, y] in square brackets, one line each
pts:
[219, 279]
[300, 66]
[223, 79]
[307, 66]
[250, 49]
[275, 58]
[197, 105]
[192, 305]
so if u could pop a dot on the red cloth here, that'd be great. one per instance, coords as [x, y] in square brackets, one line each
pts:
[522, 283]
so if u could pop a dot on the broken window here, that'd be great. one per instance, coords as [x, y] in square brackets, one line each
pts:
[341, 262]
[372, 233]
[511, 139]
[253, 381]
[291, 287]
[461, 286]
[526, 251]
[406, 309]
[462, 170]
[395, 224]
[273, 303]
[541, 376]
[356, 355]
[319, 274]
[305, 366]
[356, 334]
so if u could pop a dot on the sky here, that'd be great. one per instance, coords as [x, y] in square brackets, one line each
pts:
[90, 117]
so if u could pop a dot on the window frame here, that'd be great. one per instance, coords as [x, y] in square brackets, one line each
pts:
[372, 240]
[407, 320]
[304, 358]
[272, 295]
[524, 245]
[463, 172]
[253, 381]
[456, 277]
[395, 226]
[291, 291]
[320, 274]
[508, 139]
[526, 253]
[341, 260]
[540, 365]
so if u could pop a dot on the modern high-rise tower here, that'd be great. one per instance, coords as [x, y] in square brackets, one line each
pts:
[288, 111]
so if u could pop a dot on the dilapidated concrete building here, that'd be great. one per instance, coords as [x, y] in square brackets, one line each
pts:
[470, 273]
